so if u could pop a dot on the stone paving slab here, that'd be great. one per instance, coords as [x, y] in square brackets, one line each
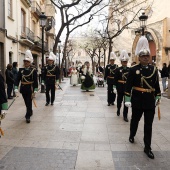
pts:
[39, 159]
[129, 160]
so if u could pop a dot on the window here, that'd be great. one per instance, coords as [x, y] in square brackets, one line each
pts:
[23, 22]
[10, 8]
[10, 57]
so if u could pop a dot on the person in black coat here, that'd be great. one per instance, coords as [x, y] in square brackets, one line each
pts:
[143, 94]
[51, 78]
[29, 84]
[15, 74]
[9, 80]
[120, 82]
[3, 98]
[109, 77]
[3, 101]
[164, 75]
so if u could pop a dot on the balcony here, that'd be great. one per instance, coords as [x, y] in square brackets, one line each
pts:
[27, 3]
[27, 36]
[36, 9]
[38, 44]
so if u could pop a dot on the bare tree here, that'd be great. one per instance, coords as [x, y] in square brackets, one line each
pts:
[80, 7]
[112, 25]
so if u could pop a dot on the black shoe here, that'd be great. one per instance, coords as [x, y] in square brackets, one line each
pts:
[149, 153]
[27, 120]
[31, 113]
[10, 97]
[118, 112]
[52, 104]
[131, 139]
[108, 104]
[113, 103]
[126, 119]
[46, 104]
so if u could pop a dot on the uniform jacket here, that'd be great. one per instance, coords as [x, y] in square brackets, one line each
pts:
[9, 77]
[51, 74]
[27, 75]
[121, 74]
[136, 78]
[110, 72]
[3, 98]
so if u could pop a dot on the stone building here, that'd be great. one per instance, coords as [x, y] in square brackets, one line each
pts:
[20, 30]
[156, 31]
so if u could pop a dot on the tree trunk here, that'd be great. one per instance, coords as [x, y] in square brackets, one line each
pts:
[110, 50]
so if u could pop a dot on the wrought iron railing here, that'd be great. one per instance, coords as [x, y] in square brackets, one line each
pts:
[27, 33]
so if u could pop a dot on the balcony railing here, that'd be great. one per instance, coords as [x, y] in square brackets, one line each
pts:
[36, 8]
[38, 42]
[27, 34]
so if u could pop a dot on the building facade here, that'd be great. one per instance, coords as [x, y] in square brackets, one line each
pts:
[156, 31]
[20, 30]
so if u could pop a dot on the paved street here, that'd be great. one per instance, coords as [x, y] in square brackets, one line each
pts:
[80, 132]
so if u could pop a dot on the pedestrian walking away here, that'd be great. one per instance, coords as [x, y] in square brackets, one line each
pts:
[109, 77]
[51, 79]
[29, 84]
[120, 82]
[143, 94]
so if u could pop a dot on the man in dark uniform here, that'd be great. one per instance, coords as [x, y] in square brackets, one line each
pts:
[120, 82]
[29, 84]
[143, 93]
[3, 100]
[51, 78]
[109, 76]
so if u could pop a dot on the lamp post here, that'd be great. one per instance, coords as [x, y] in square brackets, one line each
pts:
[143, 18]
[43, 20]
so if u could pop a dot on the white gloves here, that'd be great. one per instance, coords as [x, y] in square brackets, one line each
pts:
[35, 92]
[57, 83]
[42, 84]
[128, 104]
[16, 90]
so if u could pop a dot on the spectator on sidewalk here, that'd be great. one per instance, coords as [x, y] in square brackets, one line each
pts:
[3, 98]
[9, 80]
[164, 76]
[15, 74]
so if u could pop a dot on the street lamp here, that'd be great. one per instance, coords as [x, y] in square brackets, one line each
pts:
[143, 18]
[59, 42]
[43, 20]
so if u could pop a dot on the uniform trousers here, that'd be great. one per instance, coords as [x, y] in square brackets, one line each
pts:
[48, 88]
[148, 120]
[110, 94]
[28, 103]
[120, 98]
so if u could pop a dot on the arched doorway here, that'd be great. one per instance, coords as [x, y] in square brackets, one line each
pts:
[153, 45]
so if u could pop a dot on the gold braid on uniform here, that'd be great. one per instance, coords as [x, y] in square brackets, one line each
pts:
[124, 76]
[143, 79]
[111, 70]
[24, 76]
[48, 71]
